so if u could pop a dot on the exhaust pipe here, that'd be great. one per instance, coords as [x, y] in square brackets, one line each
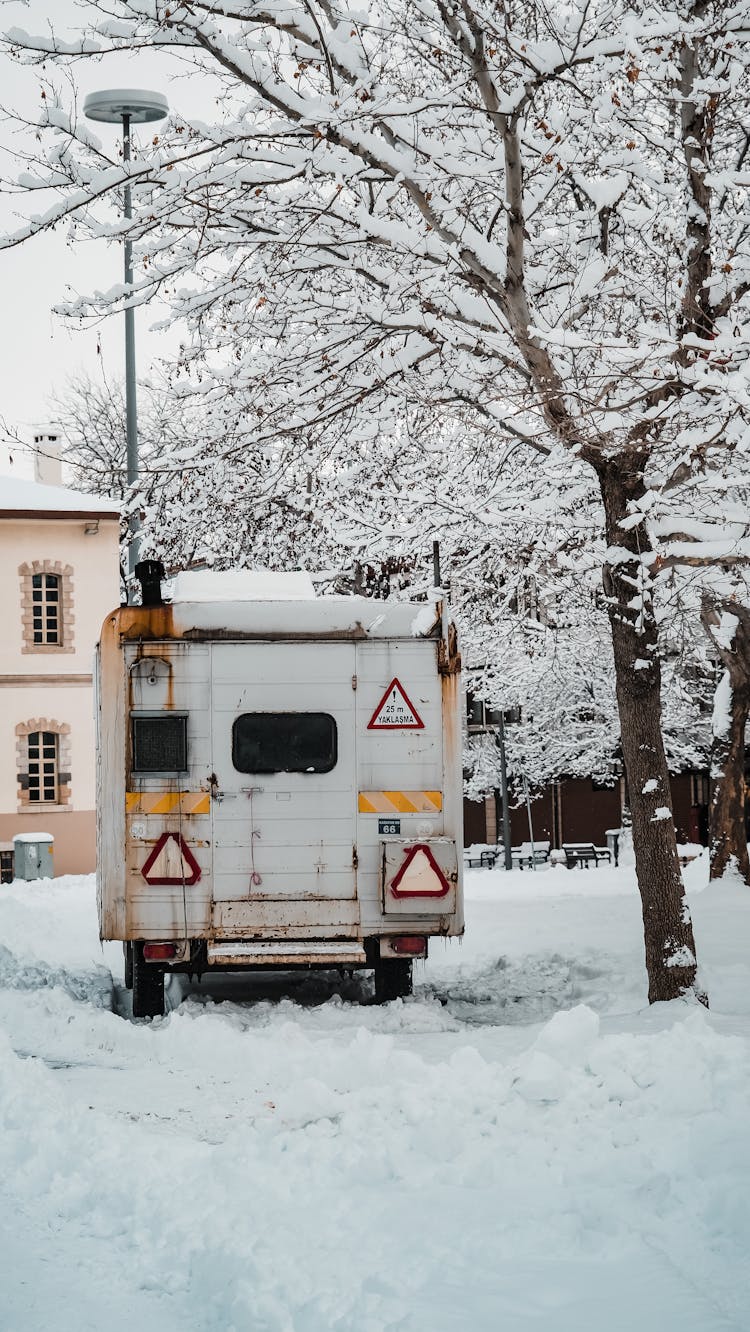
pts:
[149, 574]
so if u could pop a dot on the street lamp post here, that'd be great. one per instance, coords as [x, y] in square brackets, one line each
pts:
[128, 106]
[500, 739]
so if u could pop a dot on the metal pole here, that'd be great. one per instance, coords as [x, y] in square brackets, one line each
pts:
[531, 825]
[131, 411]
[443, 603]
[504, 794]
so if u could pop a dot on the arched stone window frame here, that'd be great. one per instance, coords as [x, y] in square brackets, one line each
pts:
[62, 731]
[67, 618]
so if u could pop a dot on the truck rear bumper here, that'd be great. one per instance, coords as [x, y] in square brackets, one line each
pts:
[286, 952]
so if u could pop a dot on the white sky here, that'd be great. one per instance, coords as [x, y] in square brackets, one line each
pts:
[38, 350]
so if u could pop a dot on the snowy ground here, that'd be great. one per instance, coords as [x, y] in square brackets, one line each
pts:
[523, 1146]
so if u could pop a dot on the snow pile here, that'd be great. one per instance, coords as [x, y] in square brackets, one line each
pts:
[305, 1166]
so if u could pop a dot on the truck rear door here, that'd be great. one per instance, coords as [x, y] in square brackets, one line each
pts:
[284, 789]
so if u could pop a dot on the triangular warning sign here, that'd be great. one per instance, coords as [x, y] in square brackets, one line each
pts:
[171, 861]
[395, 712]
[419, 875]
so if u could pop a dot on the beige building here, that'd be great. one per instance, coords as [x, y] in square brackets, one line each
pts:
[59, 577]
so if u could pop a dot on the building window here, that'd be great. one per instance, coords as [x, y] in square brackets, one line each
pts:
[47, 606]
[43, 767]
[43, 763]
[45, 599]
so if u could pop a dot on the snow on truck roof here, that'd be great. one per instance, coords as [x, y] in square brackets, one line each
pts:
[315, 617]
[239, 585]
[20, 498]
[257, 602]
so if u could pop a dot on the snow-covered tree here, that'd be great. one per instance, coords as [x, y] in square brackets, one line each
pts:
[240, 506]
[546, 651]
[530, 214]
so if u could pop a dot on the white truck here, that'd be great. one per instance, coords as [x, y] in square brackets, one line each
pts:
[279, 781]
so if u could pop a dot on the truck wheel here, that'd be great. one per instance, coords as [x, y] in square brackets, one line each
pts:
[148, 986]
[127, 949]
[392, 979]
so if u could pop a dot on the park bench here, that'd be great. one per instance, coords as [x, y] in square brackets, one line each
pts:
[584, 853]
[530, 853]
[485, 860]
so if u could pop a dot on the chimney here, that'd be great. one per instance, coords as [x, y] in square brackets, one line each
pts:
[149, 574]
[47, 462]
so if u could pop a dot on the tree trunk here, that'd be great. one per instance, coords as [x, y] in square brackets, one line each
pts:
[668, 932]
[728, 835]
[727, 623]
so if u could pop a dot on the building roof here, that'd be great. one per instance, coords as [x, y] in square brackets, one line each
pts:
[20, 498]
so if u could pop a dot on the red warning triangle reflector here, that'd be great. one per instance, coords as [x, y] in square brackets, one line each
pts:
[395, 711]
[171, 862]
[419, 875]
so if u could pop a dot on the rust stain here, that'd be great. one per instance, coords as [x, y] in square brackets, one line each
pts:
[145, 622]
[449, 663]
[449, 685]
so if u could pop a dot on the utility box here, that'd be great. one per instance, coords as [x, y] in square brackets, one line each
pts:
[33, 854]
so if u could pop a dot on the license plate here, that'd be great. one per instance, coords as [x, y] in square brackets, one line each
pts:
[391, 827]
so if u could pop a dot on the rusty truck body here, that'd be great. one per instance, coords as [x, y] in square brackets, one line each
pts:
[279, 785]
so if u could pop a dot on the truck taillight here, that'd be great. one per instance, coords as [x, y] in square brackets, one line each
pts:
[159, 952]
[411, 945]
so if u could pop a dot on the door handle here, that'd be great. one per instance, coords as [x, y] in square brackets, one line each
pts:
[218, 795]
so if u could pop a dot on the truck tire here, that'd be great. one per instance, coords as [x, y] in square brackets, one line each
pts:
[392, 979]
[127, 949]
[148, 986]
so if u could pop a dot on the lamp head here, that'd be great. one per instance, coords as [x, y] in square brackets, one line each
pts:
[139, 105]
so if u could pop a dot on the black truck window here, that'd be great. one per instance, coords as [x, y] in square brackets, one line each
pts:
[284, 742]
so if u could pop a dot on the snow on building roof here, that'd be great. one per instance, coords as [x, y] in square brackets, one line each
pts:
[20, 498]
[202, 585]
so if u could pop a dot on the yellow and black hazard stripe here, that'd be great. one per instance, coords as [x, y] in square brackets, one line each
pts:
[400, 802]
[167, 802]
